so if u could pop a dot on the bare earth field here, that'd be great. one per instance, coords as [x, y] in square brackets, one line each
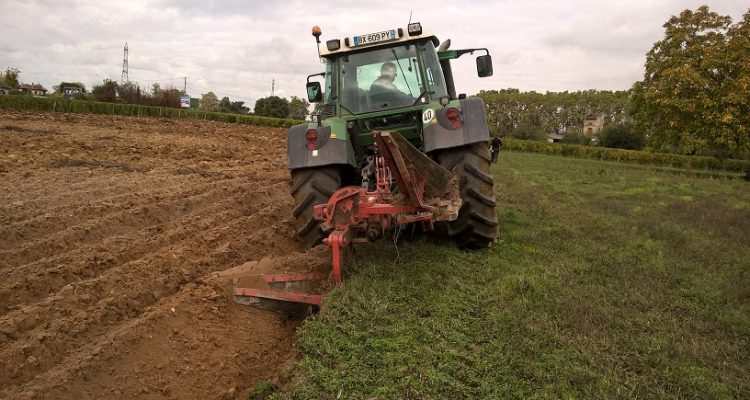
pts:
[112, 231]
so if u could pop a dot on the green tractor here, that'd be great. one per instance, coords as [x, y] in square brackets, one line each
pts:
[396, 80]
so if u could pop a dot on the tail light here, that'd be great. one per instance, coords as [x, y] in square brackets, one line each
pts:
[312, 139]
[454, 115]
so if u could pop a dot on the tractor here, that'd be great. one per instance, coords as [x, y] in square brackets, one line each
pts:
[337, 148]
[390, 144]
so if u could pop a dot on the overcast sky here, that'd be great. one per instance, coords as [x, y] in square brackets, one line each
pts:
[237, 47]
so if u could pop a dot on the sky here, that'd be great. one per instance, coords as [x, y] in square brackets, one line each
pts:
[237, 48]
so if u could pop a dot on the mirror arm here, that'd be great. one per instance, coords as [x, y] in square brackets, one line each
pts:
[310, 76]
[459, 53]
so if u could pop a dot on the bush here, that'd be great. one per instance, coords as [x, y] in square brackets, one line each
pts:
[621, 137]
[576, 138]
[95, 107]
[529, 132]
[641, 157]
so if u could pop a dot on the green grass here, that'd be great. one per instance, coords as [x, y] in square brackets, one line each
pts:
[606, 282]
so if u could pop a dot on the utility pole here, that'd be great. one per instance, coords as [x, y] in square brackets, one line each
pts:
[273, 87]
[124, 78]
[184, 90]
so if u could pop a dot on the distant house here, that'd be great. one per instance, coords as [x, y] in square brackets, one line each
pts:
[593, 124]
[33, 89]
[554, 137]
[4, 89]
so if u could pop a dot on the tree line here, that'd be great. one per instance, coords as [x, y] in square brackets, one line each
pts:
[132, 93]
[694, 97]
[271, 106]
[534, 115]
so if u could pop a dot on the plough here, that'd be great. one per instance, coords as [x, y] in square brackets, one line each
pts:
[409, 188]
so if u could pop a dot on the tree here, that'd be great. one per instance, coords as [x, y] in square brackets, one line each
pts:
[735, 89]
[239, 107]
[298, 108]
[272, 106]
[234, 107]
[529, 132]
[621, 136]
[169, 97]
[691, 97]
[129, 93]
[209, 102]
[225, 104]
[11, 77]
[107, 91]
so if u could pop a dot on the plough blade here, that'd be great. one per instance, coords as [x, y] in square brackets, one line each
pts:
[270, 283]
[282, 292]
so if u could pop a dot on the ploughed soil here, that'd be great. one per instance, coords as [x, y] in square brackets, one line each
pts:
[118, 236]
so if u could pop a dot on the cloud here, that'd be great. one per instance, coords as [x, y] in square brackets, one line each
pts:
[237, 47]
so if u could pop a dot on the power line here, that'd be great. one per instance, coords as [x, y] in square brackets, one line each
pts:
[225, 93]
[160, 80]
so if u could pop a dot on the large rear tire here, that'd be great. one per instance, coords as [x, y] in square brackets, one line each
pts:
[312, 186]
[476, 225]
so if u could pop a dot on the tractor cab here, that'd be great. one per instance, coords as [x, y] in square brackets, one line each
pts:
[385, 71]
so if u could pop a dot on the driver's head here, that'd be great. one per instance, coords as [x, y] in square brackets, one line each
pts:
[388, 70]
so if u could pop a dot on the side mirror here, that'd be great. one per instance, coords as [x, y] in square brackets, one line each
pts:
[484, 66]
[314, 93]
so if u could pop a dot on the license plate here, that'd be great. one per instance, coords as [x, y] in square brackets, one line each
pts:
[372, 38]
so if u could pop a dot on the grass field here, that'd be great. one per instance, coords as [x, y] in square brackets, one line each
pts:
[607, 282]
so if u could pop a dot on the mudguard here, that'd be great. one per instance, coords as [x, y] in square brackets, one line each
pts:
[331, 150]
[473, 129]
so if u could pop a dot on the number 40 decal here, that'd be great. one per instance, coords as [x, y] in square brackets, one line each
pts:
[427, 116]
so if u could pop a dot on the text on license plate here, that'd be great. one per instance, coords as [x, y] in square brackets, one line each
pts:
[373, 38]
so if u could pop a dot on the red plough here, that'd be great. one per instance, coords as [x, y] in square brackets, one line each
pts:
[410, 188]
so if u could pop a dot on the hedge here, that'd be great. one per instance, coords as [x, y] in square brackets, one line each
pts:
[561, 149]
[641, 157]
[96, 107]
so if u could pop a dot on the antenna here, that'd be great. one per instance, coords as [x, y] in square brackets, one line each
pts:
[409, 18]
[124, 78]
[273, 86]
[184, 91]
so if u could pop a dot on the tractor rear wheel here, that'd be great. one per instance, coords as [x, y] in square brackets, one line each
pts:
[312, 186]
[476, 225]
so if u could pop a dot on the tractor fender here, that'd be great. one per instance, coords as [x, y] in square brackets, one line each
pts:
[330, 150]
[473, 129]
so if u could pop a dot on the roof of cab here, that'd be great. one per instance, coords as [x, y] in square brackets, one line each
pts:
[344, 49]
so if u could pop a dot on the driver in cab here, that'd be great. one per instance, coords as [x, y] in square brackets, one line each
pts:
[383, 89]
